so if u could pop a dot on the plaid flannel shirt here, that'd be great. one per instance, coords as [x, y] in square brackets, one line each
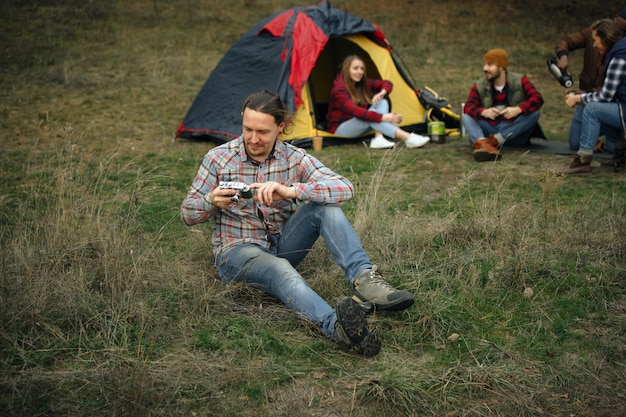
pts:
[248, 221]
[615, 74]
[533, 102]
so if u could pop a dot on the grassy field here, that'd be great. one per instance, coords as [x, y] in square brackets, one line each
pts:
[112, 307]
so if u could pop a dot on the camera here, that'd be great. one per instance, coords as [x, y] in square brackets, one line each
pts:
[563, 78]
[242, 190]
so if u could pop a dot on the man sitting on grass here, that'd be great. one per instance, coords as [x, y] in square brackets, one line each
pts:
[261, 240]
[502, 109]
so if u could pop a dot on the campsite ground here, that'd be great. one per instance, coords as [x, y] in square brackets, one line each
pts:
[111, 307]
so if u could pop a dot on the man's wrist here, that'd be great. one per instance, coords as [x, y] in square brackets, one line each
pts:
[294, 195]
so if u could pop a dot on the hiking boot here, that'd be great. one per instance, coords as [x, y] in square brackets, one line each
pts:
[370, 287]
[485, 150]
[379, 142]
[351, 328]
[618, 161]
[580, 165]
[416, 141]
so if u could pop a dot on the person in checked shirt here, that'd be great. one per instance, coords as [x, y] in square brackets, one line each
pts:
[262, 239]
[502, 109]
[605, 109]
[591, 76]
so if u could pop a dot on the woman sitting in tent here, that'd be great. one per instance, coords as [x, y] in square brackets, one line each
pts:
[357, 105]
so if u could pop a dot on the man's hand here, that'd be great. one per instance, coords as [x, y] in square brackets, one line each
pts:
[511, 112]
[267, 192]
[220, 197]
[507, 112]
[490, 113]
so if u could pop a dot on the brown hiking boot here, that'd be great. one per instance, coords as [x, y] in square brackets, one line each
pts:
[486, 149]
[580, 165]
[618, 161]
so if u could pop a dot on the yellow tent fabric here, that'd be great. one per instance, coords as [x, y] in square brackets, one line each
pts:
[309, 117]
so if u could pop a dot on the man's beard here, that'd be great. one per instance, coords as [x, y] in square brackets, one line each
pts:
[491, 75]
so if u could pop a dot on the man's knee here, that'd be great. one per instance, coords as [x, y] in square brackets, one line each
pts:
[331, 213]
[234, 262]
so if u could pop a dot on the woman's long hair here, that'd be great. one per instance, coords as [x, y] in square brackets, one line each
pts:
[360, 92]
[608, 31]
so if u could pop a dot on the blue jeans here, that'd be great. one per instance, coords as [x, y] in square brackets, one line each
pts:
[273, 270]
[353, 128]
[597, 116]
[515, 133]
[574, 132]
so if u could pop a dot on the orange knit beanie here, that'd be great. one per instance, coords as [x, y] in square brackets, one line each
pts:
[498, 57]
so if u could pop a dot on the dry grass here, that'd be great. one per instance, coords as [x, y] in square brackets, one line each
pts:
[111, 307]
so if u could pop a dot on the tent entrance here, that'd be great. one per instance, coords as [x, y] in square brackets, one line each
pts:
[326, 68]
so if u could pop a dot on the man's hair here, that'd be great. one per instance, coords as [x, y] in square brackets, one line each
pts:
[360, 92]
[608, 31]
[267, 102]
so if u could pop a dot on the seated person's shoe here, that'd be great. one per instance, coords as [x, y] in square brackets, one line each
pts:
[351, 328]
[416, 141]
[618, 161]
[580, 165]
[370, 287]
[485, 150]
[379, 142]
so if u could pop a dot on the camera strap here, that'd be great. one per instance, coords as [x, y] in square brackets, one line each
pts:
[271, 233]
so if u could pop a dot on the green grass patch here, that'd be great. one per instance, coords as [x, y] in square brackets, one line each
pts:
[111, 306]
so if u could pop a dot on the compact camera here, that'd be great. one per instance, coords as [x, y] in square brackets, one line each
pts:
[242, 190]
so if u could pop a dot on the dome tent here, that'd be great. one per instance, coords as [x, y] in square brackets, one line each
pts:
[296, 53]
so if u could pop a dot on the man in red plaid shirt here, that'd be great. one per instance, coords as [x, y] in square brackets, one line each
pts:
[502, 108]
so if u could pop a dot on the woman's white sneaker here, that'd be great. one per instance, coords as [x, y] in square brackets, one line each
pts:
[416, 141]
[379, 142]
